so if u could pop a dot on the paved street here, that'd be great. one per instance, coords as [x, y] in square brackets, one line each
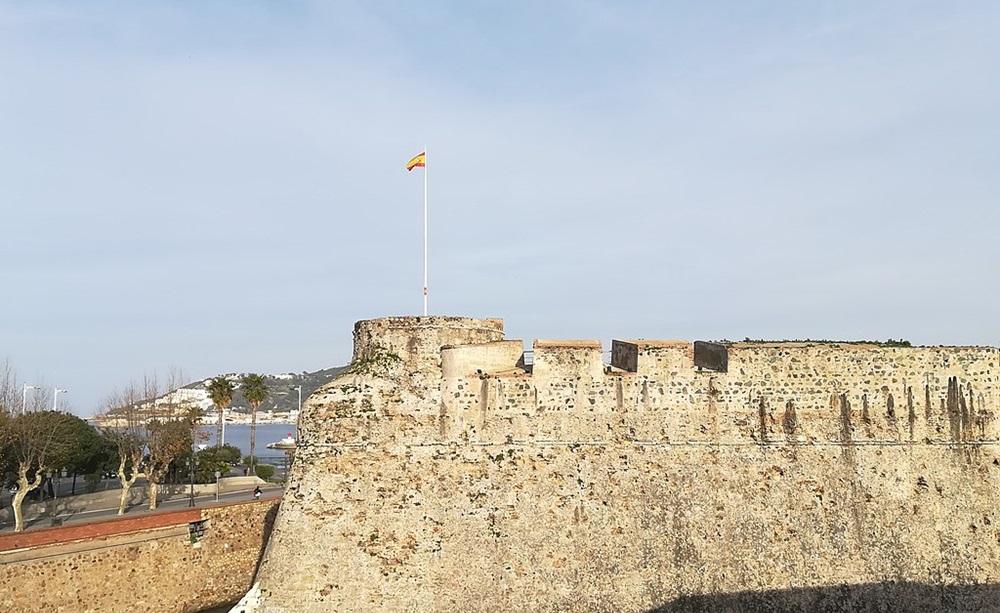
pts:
[172, 503]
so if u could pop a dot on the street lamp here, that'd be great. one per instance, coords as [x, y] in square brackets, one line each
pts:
[191, 461]
[300, 411]
[24, 396]
[55, 398]
[191, 466]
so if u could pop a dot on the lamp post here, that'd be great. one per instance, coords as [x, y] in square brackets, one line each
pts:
[191, 467]
[55, 398]
[300, 412]
[24, 397]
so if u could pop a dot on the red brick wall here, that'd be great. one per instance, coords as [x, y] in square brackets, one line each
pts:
[109, 527]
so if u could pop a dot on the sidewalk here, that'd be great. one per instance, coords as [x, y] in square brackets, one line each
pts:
[99, 508]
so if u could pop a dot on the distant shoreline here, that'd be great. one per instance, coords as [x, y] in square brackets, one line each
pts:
[246, 422]
[203, 422]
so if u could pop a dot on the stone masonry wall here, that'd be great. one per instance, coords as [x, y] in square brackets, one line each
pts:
[146, 563]
[637, 485]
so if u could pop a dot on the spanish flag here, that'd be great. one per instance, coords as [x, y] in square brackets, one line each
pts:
[418, 161]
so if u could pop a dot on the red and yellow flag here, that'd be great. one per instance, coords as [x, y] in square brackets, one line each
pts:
[418, 161]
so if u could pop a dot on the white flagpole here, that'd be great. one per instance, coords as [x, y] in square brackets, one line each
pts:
[425, 230]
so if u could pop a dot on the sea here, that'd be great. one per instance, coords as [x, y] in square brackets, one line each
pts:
[238, 435]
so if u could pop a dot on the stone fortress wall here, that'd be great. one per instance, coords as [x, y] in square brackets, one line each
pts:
[149, 562]
[444, 473]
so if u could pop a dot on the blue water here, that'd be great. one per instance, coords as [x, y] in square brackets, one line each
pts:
[238, 435]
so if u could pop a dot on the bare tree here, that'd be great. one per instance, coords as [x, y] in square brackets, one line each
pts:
[168, 440]
[5, 432]
[39, 442]
[10, 398]
[13, 399]
[170, 431]
[126, 429]
[9, 405]
[31, 440]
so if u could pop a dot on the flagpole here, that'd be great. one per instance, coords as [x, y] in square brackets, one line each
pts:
[425, 230]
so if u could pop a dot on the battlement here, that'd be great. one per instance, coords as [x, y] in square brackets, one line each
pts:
[553, 358]
[659, 390]
[645, 356]
[481, 359]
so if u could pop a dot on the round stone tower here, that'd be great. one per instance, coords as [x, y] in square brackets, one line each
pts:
[418, 340]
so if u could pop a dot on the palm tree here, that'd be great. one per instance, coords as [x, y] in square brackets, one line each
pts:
[220, 390]
[255, 391]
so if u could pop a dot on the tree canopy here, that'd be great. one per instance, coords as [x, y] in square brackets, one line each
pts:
[215, 459]
[254, 389]
[220, 390]
[89, 452]
[43, 440]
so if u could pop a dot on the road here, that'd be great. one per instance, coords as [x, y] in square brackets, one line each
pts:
[172, 503]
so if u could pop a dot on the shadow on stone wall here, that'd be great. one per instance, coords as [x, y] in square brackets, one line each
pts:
[272, 514]
[882, 597]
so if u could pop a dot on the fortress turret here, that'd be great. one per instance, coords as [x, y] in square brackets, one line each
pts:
[418, 340]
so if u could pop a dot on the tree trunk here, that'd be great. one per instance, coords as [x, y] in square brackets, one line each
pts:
[253, 439]
[126, 486]
[23, 487]
[72, 491]
[218, 430]
[124, 497]
[154, 489]
[18, 514]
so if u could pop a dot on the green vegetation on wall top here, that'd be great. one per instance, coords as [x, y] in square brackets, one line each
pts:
[379, 361]
[891, 342]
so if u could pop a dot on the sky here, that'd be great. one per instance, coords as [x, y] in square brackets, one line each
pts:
[219, 186]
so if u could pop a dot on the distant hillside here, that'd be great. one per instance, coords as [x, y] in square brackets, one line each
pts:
[283, 396]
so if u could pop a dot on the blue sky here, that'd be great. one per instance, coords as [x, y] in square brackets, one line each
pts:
[218, 186]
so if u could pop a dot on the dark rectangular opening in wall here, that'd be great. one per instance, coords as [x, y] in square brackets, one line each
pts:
[196, 530]
[711, 356]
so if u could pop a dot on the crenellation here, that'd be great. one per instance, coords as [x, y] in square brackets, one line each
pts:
[652, 387]
[567, 359]
[653, 358]
[482, 359]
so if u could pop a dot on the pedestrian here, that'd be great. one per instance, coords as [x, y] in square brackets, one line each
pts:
[257, 493]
